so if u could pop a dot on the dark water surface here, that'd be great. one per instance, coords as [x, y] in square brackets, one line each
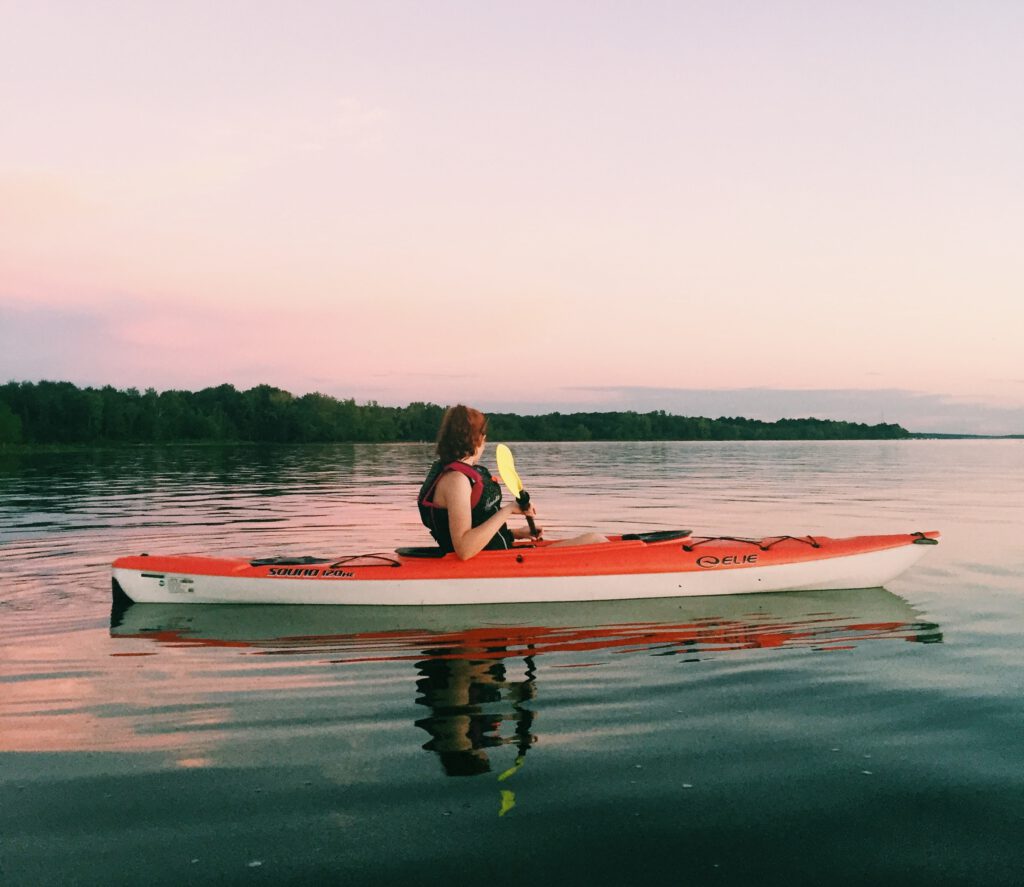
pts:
[862, 737]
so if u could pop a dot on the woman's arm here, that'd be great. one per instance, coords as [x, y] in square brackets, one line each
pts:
[453, 492]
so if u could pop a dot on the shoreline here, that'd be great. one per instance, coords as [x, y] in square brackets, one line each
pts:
[100, 447]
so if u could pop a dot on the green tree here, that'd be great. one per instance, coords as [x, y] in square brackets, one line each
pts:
[10, 425]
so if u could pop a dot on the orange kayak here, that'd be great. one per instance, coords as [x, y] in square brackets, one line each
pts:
[666, 564]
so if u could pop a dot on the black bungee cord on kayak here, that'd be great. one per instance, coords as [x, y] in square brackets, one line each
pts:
[762, 544]
[375, 560]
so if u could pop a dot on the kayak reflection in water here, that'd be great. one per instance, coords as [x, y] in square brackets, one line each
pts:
[462, 695]
[460, 502]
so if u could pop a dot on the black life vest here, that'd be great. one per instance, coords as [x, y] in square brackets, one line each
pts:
[484, 500]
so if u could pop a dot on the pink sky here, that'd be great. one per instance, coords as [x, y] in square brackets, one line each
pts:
[543, 204]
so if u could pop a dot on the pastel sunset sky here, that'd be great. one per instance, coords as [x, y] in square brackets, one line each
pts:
[763, 208]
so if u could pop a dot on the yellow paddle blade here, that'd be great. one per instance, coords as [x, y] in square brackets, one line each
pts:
[511, 771]
[508, 801]
[507, 470]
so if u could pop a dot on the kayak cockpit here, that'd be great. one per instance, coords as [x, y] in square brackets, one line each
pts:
[432, 551]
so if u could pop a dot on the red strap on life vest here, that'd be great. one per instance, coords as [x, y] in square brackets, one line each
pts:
[476, 482]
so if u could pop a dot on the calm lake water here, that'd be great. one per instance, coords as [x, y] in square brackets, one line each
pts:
[861, 737]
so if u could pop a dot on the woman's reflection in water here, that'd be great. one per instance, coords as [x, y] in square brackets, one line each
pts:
[469, 700]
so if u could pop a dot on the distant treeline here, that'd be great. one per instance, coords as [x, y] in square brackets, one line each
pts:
[61, 413]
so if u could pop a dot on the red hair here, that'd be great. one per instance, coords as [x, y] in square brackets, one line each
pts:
[462, 431]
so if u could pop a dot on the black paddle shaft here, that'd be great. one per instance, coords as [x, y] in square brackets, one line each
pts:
[523, 501]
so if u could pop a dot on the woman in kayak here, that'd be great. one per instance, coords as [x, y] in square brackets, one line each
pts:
[460, 503]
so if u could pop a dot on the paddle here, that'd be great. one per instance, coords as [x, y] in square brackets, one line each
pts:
[507, 470]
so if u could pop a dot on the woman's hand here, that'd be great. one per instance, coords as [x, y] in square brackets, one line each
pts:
[524, 532]
[516, 509]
